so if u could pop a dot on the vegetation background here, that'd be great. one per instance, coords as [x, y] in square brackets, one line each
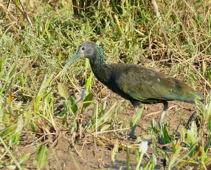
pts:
[73, 121]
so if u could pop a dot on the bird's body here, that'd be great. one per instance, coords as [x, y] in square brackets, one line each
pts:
[135, 83]
[139, 84]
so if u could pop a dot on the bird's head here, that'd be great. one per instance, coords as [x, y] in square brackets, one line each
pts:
[86, 50]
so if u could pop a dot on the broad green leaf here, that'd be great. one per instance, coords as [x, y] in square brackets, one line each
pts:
[45, 83]
[41, 156]
[62, 89]
[73, 105]
[136, 117]
[192, 134]
[88, 83]
[24, 158]
[87, 100]
[209, 123]
[104, 128]
[33, 127]
[165, 138]
[18, 130]
[153, 126]
[208, 144]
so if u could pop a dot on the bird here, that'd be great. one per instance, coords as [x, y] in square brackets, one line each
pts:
[138, 84]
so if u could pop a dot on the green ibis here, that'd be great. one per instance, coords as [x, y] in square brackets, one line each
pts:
[134, 82]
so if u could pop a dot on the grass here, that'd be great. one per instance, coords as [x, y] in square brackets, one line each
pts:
[35, 108]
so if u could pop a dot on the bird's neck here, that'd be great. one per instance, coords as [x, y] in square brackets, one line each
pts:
[100, 68]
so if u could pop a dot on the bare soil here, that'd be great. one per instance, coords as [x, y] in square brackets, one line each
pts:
[91, 152]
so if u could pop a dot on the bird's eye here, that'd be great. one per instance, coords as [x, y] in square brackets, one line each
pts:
[83, 48]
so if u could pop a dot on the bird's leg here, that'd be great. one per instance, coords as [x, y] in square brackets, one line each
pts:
[134, 124]
[133, 128]
[165, 106]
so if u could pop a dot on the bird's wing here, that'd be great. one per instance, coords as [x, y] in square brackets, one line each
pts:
[144, 84]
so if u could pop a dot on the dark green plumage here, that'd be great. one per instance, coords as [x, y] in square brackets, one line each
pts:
[133, 82]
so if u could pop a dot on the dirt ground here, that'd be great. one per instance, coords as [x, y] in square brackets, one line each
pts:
[95, 152]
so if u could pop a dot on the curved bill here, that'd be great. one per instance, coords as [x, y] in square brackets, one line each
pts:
[70, 61]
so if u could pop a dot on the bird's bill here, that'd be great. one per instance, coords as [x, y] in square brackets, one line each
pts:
[70, 61]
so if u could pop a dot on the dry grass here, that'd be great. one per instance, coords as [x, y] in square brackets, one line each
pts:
[53, 123]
